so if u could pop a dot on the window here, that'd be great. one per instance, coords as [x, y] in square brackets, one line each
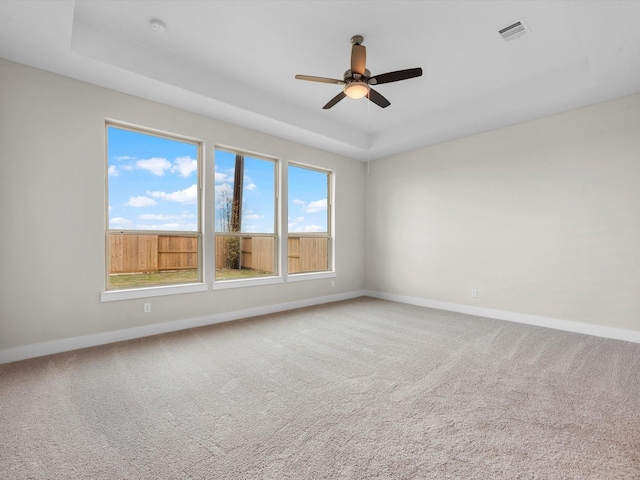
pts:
[156, 223]
[153, 192]
[309, 240]
[245, 216]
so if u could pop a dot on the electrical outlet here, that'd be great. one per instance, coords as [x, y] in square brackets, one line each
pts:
[147, 307]
[474, 293]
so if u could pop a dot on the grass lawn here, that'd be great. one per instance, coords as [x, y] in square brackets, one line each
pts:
[145, 279]
[233, 274]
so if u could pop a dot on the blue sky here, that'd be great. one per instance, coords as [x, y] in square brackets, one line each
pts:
[258, 199]
[153, 186]
[307, 194]
[307, 200]
[152, 182]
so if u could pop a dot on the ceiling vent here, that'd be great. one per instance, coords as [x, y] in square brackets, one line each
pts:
[514, 31]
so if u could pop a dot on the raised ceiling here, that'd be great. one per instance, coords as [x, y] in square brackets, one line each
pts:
[236, 61]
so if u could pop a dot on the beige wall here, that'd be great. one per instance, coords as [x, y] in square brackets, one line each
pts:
[541, 218]
[52, 178]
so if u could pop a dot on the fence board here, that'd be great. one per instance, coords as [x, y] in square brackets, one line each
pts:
[263, 254]
[151, 253]
[293, 247]
[148, 253]
[312, 254]
[177, 252]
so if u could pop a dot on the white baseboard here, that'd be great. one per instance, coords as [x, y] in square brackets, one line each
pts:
[547, 322]
[75, 343]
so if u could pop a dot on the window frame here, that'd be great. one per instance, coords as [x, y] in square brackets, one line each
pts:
[114, 294]
[276, 276]
[207, 226]
[330, 234]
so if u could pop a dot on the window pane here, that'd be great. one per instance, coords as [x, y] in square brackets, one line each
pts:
[152, 191]
[246, 184]
[145, 260]
[308, 193]
[244, 205]
[240, 257]
[308, 254]
[153, 182]
[308, 243]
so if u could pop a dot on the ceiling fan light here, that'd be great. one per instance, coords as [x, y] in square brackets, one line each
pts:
[356, 89]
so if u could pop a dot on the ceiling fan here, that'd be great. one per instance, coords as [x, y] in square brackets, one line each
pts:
[358, 80]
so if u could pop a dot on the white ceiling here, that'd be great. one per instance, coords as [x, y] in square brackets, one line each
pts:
[236, 61]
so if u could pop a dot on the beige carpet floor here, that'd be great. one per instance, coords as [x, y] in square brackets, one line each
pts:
[361, 389]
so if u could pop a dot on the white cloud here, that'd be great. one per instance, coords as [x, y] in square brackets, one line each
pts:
[150, 216]
[252, 216]
[222, 177]
[185, 166]
[119, 221]
[157, 166]
[294, 222]
[124, 158]
[316, 206]
[187, 196]
[313, 228]
[312, 207]
[140, 201]
[251, 186]
[306, 228]
[113, 171]
[165, 218]
[187, 227]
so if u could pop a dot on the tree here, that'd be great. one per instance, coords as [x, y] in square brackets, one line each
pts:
[230, 216]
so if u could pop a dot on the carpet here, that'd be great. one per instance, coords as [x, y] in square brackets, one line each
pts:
[360, 389]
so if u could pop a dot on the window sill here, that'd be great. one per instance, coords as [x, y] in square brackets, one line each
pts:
[301, 277]
[155, 291]
[247, 282]
[162, 290]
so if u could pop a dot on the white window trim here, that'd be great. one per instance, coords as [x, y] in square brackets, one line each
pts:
[281, 235]
[246, 282]
[111, 295]
[277, 235]
[152, 291]
[305, 276]
[331, 272]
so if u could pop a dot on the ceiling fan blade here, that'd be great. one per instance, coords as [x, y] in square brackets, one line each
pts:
[334, 100]
[358, 59]
[378, 99]
[395, 76]
[320, 79]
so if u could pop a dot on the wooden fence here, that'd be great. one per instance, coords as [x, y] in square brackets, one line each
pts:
[308, 254]
[153, 253]
[256, 253]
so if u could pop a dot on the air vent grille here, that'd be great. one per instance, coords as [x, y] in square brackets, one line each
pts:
[514, 30]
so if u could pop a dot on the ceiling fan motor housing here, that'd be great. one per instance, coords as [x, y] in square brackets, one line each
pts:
[357, 80]
[348, 75]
